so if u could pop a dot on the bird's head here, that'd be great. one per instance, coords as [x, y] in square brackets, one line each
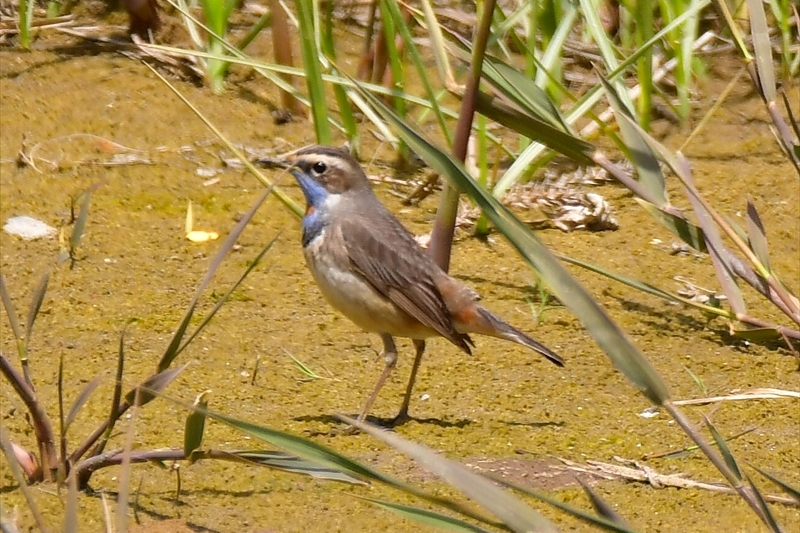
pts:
[325, 173]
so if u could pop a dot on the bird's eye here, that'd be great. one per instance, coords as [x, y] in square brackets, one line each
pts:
[319, 167]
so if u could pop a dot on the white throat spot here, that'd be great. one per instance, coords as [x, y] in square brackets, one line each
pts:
[331, 201]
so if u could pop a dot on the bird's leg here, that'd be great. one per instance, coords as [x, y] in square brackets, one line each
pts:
[402, 416]
[390, 356]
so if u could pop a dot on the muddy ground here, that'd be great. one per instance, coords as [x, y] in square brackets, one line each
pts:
[503, 409]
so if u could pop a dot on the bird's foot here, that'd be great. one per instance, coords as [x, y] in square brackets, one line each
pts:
[345, 431]
[401, 418]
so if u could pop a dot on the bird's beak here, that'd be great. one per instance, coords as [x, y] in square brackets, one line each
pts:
[271, 163]
[286, 162]
[283, 161]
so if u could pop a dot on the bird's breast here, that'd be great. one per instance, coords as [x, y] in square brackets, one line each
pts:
[348, 292]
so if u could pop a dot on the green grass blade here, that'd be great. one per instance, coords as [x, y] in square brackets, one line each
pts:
[608, 335]
[640, 153]
[792, 491]
[22, 342]
[429, 518]
[763, 49]
[175, 343]
[730, 460]
[438, 45]
[388, 22]
[686, 58]
[643, 15]
[768, 518]
[680, 227]
[602, 507]
[327, 457]
[191, 24]
[117, 395]
[522, 90]
[597, 521]
[700, 383]
[603, 42]
[535, 128]
[512, 511]
[719, 254]
[482, 164]
[305, 369]
[552, 56]
[647, 288]
[60, 475]
[36, 304]
[756, 234]
[416, 59]
[216, 14]
[103, 433]
[81, 400]
[733, 28]
[195, 425]
[71, 505]
[589, 100]
[80, 222]
[345, 108]
[306, 11]
[397, 79]
[503, 27]
[25, 22]
[295, 465]
[11, 312]
[254, 31]
[147, 391]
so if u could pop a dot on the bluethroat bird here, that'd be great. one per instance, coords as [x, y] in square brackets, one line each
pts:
[370, 268]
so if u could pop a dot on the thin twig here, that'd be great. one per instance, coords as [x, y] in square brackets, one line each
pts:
[755, 394]
[646, 474]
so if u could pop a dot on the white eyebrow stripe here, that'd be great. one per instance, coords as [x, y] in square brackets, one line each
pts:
[331, 161]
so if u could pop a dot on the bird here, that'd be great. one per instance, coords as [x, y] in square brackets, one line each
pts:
[371, 269]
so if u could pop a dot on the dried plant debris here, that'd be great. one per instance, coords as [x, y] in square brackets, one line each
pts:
[570, 209]
[637, 471]
[9, 21]
[697, 293]
[81, 149]
[561, 199]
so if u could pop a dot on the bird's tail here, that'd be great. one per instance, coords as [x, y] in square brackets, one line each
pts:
[495, 327]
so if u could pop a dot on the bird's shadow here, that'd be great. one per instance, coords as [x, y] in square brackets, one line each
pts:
[533, 424]
[385, 423]
[676, 323]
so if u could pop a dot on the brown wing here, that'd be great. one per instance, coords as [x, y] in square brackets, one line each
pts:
[398, 268]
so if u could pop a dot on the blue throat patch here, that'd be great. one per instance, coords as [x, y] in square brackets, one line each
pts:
[313, 221]
[313, 224]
